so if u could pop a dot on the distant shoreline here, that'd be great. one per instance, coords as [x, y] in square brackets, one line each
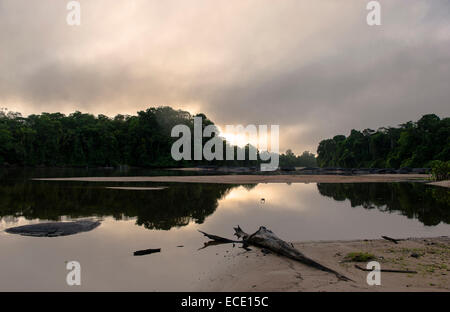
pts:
[445, 183]
[252, 179]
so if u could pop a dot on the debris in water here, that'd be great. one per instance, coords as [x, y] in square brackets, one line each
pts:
[146, 252]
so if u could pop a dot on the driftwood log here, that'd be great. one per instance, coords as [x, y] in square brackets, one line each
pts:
[265, 238]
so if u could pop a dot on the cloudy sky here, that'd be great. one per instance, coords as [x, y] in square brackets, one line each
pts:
[312, 66]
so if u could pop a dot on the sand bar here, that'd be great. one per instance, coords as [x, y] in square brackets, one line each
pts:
[445, 183]
[250, 179]
[254, 271]
[135, 188]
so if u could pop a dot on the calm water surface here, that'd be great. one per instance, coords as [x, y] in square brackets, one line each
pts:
[134, 220]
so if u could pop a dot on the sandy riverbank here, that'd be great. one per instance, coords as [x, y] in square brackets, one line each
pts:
[445, 183]
[254, 271]
[251, 179]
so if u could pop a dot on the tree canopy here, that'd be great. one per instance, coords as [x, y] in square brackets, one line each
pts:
[413, 144]
[80, 140]
[306, 159]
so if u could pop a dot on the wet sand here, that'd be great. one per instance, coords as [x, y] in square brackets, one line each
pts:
[445, 183]
[254, 271]
[251, 179]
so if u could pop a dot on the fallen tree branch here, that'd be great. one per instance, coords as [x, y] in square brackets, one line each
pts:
[386, 270]
[219, 238]
[265, 238]
[212, 243]
[394, 240]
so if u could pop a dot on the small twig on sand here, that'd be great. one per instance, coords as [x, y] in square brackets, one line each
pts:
[386, 270]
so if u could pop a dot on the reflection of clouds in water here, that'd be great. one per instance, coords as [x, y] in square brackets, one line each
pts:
[298, 212]
[276, 195]
[9, 221]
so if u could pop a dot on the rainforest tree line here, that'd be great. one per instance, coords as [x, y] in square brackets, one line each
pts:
[306, 159]
[413, 144]
[79, 140]
[144, 140]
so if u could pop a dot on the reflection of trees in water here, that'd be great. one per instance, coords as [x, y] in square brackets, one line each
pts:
[430, 205]
[175, 206]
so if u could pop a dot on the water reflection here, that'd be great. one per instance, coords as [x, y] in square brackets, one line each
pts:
[138, 220]
[430, 205]
[175, 206]
[180, 204]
